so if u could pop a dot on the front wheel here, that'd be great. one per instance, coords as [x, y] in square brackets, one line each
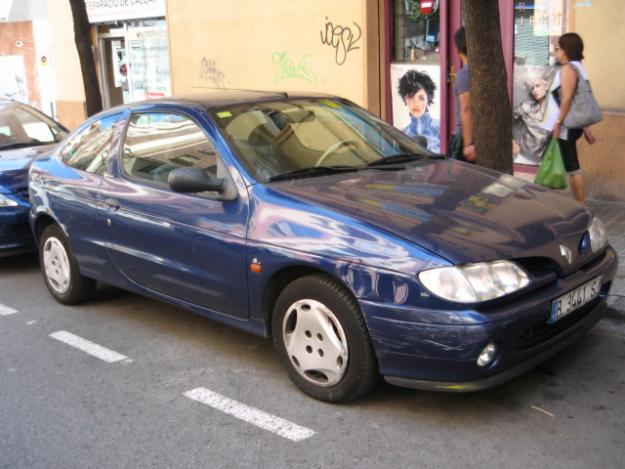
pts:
[321, 337]
[60, 269]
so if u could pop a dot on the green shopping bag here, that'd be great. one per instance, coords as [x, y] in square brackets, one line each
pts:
[551, 172]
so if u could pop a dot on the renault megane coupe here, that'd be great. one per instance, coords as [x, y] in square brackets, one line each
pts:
[303, 218]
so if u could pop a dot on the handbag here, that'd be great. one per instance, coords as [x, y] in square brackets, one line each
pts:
[551, 172]
[584, 110]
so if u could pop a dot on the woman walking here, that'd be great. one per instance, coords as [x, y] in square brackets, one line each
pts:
[569, 54]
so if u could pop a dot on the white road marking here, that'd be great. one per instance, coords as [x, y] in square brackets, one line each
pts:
[30, 323]
[86, 346]
[261, 419]
[5, 310]
[542, 410]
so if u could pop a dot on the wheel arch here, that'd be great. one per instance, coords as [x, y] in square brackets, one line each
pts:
[283, 277]
[42, 221]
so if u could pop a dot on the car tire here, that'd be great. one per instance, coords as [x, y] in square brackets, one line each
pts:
[60, 269]
[322, 339]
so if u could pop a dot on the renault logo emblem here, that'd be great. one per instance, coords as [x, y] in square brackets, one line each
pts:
[566, 253]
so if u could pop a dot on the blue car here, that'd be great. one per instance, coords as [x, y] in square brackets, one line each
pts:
[303, 218]
[25, 133]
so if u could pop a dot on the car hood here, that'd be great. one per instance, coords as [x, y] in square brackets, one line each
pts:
[14, 165]
[461, 212]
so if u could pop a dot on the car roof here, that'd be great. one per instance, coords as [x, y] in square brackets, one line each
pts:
[217, 98]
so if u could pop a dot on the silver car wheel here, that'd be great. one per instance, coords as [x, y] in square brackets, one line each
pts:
[315, 342]
[56, 265]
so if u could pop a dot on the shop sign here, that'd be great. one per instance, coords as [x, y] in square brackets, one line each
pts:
[428, 7]
[100, 11]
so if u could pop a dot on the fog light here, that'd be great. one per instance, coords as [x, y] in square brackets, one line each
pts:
[487, 356]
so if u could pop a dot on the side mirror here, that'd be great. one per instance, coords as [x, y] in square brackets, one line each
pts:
[193, 180]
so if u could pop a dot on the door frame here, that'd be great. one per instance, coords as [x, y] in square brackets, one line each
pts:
[118, 33]
[450, 21]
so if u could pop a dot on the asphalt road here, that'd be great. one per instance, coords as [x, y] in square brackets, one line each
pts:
[61, 407]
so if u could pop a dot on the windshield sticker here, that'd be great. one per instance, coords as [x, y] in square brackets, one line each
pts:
[224, 114]
[332, 104]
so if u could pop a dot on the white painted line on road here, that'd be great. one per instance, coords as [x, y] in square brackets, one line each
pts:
[261, 419]
[542, 410]
[86, 346]
[30, 323]
[5, 310]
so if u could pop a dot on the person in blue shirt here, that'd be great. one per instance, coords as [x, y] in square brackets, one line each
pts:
[417, 92]
[461, 146]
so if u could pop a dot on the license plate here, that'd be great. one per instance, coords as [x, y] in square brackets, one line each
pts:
[575, 299]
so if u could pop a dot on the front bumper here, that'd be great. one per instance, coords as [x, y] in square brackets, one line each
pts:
[424, 355]
[15, 234]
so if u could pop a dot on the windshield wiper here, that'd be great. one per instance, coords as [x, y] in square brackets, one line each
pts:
[16, 145]
[313, 171]
[400, 158]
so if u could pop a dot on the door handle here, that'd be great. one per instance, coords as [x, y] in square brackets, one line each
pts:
[112, 204]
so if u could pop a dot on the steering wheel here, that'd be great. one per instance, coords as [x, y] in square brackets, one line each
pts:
[334, 147]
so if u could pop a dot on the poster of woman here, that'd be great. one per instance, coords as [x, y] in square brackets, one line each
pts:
[414, 106]
[529, 137]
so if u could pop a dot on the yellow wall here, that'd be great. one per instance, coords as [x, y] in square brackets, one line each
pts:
[70, 91]
[604, 162]
[274, 45]
[602, 27]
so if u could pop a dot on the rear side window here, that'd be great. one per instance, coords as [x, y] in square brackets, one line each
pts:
[157, 143]
[90, 148]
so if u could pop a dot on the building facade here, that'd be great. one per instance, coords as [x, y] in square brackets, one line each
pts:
[25, 47]
[360, 49]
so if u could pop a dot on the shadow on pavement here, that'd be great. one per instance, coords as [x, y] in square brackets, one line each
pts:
[20, 263]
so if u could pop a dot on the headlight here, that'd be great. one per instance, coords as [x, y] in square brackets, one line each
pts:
[598, 236]
[472, 283]
[6, 202]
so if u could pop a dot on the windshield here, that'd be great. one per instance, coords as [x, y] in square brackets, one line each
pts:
[20, 127]
[273, 138]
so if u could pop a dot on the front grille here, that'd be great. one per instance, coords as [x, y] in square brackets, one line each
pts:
[541, 331]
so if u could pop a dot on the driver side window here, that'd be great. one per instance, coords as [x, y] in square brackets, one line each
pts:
[156, 143]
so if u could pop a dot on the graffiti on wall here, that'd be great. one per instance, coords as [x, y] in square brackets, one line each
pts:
[210, 72]
[342, 38]
[285, 68]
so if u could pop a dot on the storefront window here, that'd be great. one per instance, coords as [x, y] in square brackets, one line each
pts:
[149, 59]
[416, 32]
[134, 61]
[415, 71]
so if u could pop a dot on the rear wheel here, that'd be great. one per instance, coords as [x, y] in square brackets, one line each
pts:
[322, 339]
[60, 269]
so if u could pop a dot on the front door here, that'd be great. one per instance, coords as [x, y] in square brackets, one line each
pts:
[451, 64]
[114, 71]
[421, 35]
[185, 246]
